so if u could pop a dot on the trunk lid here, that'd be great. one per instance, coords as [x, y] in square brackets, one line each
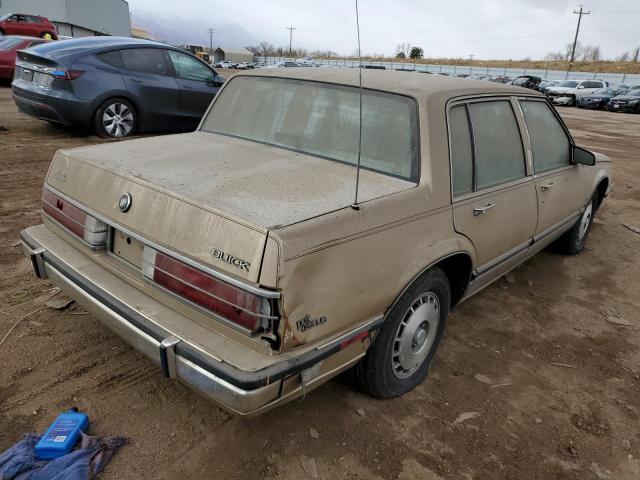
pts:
[209, 196]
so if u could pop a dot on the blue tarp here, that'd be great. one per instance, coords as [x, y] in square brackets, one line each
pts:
[20, 463]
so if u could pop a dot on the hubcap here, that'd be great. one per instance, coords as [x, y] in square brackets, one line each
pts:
[585, 221]
[415, 335]
[117, 120]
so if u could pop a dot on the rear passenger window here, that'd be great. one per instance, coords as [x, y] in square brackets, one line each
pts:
[111, 58]
[461, 151]
[592, 85]
[549, 141]
[499, 156]
[146, 60]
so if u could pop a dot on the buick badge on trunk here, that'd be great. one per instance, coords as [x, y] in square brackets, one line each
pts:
[230, 259]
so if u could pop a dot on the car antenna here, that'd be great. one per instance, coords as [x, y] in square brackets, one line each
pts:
[355, 204]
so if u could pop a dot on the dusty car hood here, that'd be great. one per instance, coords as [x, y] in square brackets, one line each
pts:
[259, 185]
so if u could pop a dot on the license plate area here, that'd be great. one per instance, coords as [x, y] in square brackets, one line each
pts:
[126, 248]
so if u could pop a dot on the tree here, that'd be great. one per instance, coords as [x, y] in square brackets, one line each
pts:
[623, 58]
[416, 52]
[555, 56]
[569, 48]
[404, 48]
[266, 48]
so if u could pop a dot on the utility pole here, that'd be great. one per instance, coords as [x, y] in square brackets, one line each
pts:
[211, 30]
[580, 13]
[471, 62]
[291, 29]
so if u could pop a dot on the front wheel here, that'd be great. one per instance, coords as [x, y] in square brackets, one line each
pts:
[571, 102]
[573, 242]
[404, 348]
[116, 118]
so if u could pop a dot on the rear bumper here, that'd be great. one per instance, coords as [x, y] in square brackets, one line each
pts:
[57, 109]
[240, 392]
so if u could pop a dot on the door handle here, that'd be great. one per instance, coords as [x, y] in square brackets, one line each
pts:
[480, 210]
[546, 187]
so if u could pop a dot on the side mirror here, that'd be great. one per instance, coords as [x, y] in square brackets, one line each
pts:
[219, 80]
[580, 86]
[583, 157]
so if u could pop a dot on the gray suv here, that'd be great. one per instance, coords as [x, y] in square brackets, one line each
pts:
[114, 86]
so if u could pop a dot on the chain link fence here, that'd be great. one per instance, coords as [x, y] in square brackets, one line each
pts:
[612, 78]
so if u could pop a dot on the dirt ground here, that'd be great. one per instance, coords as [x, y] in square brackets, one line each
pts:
[554, 384]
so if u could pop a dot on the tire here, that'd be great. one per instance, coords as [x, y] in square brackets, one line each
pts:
[46, 36]
[573, 241]
[403, 351]
[124, 125]
[571, 102]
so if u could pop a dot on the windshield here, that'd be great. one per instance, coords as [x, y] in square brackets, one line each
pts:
[321, 119]
[9, 42]
[4, 17]
[606, 91]
[569, 84]
[633, 93]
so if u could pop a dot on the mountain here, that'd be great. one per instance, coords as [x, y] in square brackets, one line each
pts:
[190, 31]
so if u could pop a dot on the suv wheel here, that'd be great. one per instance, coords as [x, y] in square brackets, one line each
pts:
[573, 242]
[116, 118]
[571, 102]
[404, 348]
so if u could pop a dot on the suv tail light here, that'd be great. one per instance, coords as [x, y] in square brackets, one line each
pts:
[245, 309]
[77, 221]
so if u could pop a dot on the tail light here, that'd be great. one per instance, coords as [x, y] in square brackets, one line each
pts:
[63, 73]
[244, 309]
[75, 220]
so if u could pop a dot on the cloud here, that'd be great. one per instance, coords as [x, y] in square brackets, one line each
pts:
[454, 28]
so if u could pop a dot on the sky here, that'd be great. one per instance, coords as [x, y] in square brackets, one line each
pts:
[489, 29]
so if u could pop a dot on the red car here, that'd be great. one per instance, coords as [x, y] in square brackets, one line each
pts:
[8, 48]
[31, 25]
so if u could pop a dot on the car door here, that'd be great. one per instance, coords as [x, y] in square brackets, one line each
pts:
[560, 184]
[148, 75]
[494, 196]
[33, 25]
[198, 85]
[18, 25]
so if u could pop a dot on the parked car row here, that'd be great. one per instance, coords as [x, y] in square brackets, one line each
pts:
[114, 86]
[235, 66]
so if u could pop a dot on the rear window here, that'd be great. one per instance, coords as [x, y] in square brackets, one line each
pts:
[146, 60]
[321, 119]
[111, 58]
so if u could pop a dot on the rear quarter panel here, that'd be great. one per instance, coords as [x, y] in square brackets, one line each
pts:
[348, 267]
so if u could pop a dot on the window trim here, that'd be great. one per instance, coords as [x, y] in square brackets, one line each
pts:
[466, 101]
[572, 143]
[416, 142]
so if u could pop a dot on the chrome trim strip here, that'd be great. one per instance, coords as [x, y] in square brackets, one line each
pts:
[221, 276]
[556, 227]
[503, 258]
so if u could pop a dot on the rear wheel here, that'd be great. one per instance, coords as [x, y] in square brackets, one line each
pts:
[116, 118]
[404, 348]
[573, 242]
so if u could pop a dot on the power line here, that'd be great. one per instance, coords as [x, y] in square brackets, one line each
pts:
[291, 28]
[580, 13]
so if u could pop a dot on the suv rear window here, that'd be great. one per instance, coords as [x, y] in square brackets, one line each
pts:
[111, 58]
[321, 119]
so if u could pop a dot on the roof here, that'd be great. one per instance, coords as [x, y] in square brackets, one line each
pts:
[239, 51]
[414, 84]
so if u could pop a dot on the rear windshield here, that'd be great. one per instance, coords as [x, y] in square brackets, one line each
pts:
[321, 119]
[9, 43]
[569, 84]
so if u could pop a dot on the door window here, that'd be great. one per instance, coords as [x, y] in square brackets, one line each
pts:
[146, 60]
[189, 68]
[461, 151]
[549, 141]
[592, 84]
[499, 156]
